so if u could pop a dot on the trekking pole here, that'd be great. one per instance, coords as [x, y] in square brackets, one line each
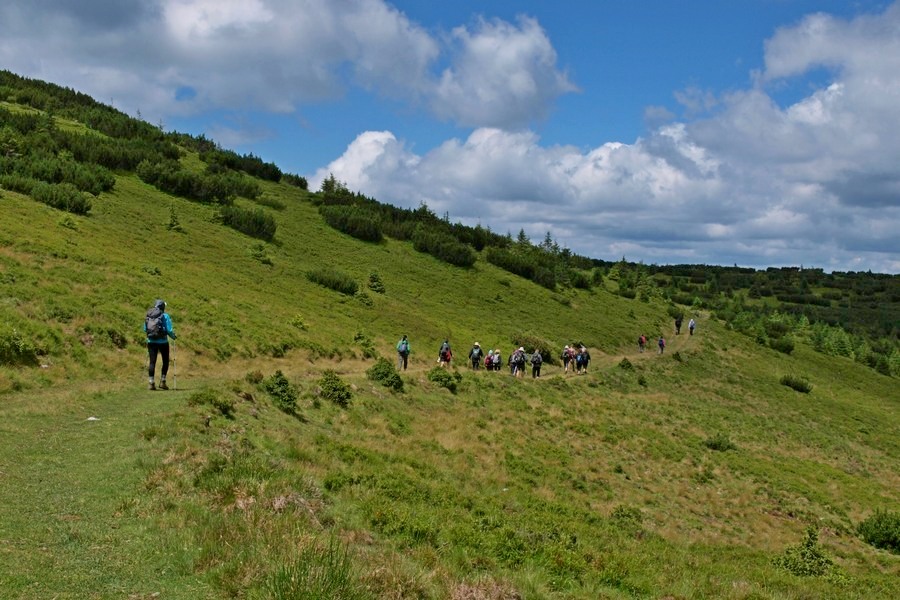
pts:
[174, 369]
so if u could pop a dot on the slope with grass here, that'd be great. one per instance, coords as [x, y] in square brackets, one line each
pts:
[691, 474]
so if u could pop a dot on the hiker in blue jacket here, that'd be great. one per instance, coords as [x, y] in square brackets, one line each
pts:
[403, 353]
[158, 327]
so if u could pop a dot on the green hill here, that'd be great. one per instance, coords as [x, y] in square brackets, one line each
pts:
[281, 467]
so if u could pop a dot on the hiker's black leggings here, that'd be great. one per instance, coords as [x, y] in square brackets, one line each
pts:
[163, 351]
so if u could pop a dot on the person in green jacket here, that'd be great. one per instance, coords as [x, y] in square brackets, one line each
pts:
[402, 353]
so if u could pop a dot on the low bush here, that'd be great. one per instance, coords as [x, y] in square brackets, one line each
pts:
[253, 222]
[720, 443]
[335, 280]
[882, 530]
[356, 221]
[16, 349]
[784, 344]
[283, 392]
[383, 372]
[62, 196]
[806, 559]
[333, 388]
[375, 283]
[796, 382]
[532, 342]
[443, 378]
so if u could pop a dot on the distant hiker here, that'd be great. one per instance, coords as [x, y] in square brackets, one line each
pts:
[497, 361]
[642, 342]
[475, 355]
[445, 355]
[158, 327]
[489, 360]
[678, 320]
[566, 357]
[691, 326]
[402, 353]
[536, 360]
[662, 344]
[582, 359]
[518, 362]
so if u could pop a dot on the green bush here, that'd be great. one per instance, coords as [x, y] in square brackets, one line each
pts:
[62, 196]
[443, 246]
[375, 283]
[443, 378]
[359, 222]
[720, 442]
[333, 388]
[532, 342]
[283, 393]
[784, 344]
[253, 222]
[626, 365]
[806, 559]
[16, 349]
[796, 382]
[882, 530]
[383, 372]
[335, 280]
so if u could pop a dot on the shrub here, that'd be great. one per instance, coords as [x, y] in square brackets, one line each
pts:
[375, 283]
[626, 365]
[356, 221]
[253, 222]
[283, 393]
[796, 382]
[882, 530]
[333, 388]
[335, 280]
[383, 372]
[782, 344]
[443, 246]
[532, 342]
[258, 252]
[443, 378]
[63, 196]
[16, 349]
[806, 559]
[720, 442]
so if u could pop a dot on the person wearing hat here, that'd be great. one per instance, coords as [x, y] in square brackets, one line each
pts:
[158, 327]
[519, 362]
[566, 357]
[475, 355]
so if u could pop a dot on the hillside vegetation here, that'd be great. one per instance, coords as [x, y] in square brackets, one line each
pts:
[290, 463]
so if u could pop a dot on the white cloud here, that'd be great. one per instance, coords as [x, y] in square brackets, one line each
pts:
[504, 75]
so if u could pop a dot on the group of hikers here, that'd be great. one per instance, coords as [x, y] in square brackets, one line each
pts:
[661, 342]
[574, 358]
[158, 327]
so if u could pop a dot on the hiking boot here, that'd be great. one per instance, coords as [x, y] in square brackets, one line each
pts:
[163, 386]
[152, 386]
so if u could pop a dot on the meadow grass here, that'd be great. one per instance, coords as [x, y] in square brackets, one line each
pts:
[602, 485]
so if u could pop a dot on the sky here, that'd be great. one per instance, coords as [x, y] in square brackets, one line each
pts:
[754, 133]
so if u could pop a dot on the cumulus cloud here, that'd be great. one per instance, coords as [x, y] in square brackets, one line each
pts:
[816, 182]
[277, 55]
[504, 75]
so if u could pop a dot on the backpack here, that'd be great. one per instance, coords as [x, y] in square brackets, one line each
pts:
[496, 358]
[156, 326]
[404, 347]
[536, 358]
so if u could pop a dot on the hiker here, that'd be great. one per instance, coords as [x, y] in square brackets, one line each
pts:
[518, 362]
[691, 326]
[497, 361]
[402, 353]
[536, 360]
[475, 355]
[642, 342]
[582, 360]
[445, 355]
[489, 361]
[662, 344]
[678, 320]
[566, 357]
[158, 327]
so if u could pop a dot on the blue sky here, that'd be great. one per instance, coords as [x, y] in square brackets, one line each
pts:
[758, 133]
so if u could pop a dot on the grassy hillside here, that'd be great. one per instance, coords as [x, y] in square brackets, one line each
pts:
[692, 474]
